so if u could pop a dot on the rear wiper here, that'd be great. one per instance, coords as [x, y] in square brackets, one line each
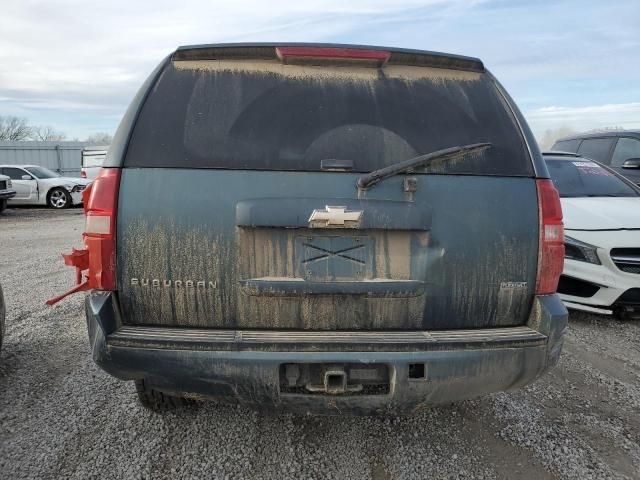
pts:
[453, 153]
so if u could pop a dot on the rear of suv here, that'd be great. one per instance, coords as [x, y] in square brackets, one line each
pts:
[323, 229]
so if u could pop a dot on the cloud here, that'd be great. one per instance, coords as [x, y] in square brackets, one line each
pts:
[625, 115]
[76, 55]
[78, 63]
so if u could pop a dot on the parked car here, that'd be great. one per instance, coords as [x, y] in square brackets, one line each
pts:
[602, 236]
[6, 191]
[619, 150]
[37, 185]
[367, 230]
[92, 160]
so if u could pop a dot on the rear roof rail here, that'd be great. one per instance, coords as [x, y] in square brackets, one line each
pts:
[267, 51]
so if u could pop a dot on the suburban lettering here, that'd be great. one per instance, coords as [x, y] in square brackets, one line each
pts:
[158, 282]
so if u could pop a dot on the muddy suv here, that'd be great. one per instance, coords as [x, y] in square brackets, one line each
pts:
[325, 229]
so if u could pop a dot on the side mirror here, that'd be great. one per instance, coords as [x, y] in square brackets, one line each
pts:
[631, 163]
[27, 177]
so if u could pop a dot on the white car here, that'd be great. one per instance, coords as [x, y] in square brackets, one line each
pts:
[601, 212]
[36, 185]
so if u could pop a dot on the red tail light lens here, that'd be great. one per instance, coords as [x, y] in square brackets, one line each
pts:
[332, 54]
[551, 247]
[83, 173]
[100, 233]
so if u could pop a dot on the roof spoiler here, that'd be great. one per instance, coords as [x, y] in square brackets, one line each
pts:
[257, 51]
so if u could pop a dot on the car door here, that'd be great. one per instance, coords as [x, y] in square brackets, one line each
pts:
[26, 190]
[627, 148]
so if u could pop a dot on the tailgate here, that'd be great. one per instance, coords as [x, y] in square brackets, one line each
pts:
[237, 249]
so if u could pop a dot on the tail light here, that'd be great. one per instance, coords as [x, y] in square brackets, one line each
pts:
[97, 261]
[332, 55]
[100, 231]
[551, 246]
[83, 173]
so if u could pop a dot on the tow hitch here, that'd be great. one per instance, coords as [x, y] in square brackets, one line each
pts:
[335, 383]
[334, 379]
[80, 260]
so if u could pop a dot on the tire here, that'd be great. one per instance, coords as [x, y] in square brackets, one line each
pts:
[58, 198]
[158, 401]
[3, 205]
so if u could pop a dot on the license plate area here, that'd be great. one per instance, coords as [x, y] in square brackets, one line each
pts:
[334, 379]
[333, 257]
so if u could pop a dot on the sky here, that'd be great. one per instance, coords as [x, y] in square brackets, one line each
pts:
[75, 65]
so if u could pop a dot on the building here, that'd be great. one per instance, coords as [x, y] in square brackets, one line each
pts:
[62, 157]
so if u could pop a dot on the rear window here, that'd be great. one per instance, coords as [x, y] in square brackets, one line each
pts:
[582, 178]
[270, 116]
[41, 172]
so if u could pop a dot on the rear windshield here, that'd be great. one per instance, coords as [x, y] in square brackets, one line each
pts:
[268, 116]
[41, 172]
[582, 178]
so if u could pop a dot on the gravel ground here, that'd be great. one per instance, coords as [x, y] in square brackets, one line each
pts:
[62, 417]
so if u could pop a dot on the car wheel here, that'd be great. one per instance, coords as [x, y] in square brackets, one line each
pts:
[59, 198]
[158, 401]
[3, 205]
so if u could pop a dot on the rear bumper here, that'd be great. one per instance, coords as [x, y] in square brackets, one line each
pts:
[245, 366]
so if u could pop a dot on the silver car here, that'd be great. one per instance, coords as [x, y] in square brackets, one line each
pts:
[35, 185]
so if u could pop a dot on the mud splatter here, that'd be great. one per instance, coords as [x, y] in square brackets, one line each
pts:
[323, 73]
[171, 275]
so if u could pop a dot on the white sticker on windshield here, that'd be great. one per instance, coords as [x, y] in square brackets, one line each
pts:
[591, 168]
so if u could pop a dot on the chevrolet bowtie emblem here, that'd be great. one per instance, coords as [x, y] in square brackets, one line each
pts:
[335, 217]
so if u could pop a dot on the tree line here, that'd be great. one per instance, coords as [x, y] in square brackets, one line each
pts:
[18, 129]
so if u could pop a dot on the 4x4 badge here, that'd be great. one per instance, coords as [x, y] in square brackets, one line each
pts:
[335, 217]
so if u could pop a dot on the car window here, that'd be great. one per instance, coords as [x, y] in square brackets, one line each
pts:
[582, 178]
[596, 149]
[269, 116]
[41, 172]
[626, 148]
[13, 173]
[566, 145]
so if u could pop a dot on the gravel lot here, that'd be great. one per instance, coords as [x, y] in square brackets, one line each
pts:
[62, 417]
